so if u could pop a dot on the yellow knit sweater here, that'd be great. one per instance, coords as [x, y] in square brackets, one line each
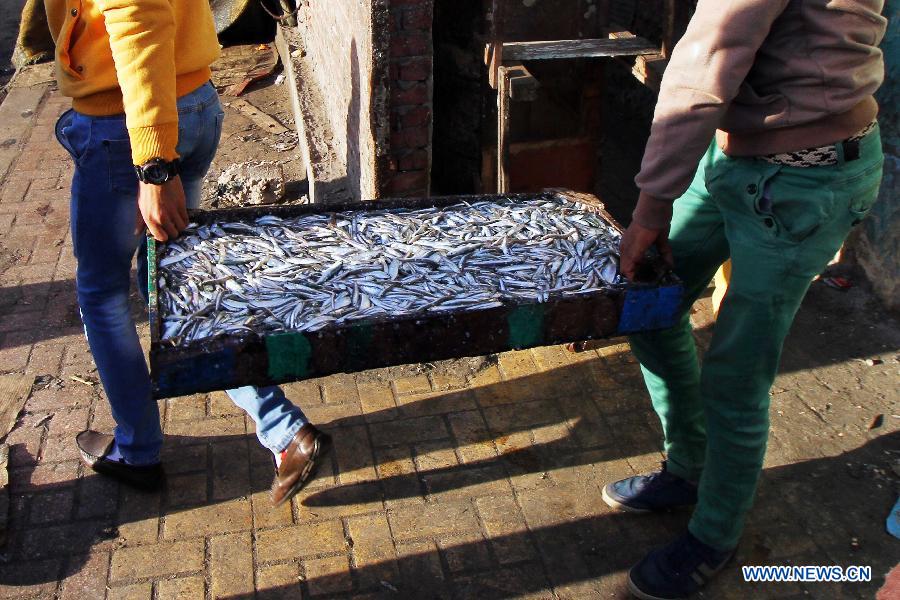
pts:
[136, 57]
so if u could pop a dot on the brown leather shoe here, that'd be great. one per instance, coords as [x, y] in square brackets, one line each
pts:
[95, 446]
[300, 460]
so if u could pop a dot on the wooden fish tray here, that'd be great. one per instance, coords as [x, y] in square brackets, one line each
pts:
[226, 362]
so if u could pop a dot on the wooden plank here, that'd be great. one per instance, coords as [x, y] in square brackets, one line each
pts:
[596, 48]
[14, 391]
[648, 68]
[523, 86]
[493, 58]
[261, 119]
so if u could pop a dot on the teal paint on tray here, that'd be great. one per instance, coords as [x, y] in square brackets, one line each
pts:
[359, 344]
[526, 326]
[289, 356]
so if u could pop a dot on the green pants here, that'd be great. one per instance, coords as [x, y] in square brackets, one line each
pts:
[780, 226]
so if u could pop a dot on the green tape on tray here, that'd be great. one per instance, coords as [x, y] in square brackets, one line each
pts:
[289, 356]
[359, 345]
[151, 268]
[526, 326]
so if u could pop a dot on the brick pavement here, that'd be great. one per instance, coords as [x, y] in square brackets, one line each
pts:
[438, 487]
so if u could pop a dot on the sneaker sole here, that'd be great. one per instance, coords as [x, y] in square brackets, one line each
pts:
[318, 451]
[613, 503]
[637, 593]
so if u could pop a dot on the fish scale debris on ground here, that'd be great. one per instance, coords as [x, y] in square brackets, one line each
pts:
[304, 273]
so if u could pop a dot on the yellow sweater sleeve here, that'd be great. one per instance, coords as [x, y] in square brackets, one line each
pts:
[142, 39]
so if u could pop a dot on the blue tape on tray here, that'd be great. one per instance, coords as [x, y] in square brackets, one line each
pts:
[207, 371]
[650, 308]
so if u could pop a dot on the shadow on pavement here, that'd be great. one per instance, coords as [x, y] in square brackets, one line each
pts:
[585, 555]
[819, 511]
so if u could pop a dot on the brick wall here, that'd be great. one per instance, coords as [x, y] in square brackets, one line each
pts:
[410, 74]
[372, 61]
[337, 35]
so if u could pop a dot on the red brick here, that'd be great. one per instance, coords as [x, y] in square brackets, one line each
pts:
[14, 190]
[21, 321]
[87, 577]
[415, 160]
[401, 3]
[231, 565]
[68, 423]
[328, 575]
[46, 358]
[415, 69]
[24, 444]
[417, 116]
[13, 356]
[407, 182]
[45, 254]
[278, 582]
[410, 44]
[52, 506]
[33, 479]
[62, 539]
[418, 18]
[410, 138]
[183, 588]
[409, 94]
[156, 560]
[27, 580]
[59, 449]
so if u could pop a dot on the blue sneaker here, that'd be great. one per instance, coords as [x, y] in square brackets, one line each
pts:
[657, 491]
[677, 570]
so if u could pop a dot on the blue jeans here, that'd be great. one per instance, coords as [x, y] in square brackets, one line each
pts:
[103, 213]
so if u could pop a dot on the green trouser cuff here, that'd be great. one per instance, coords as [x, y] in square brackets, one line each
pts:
[718, 543]
[686, 473]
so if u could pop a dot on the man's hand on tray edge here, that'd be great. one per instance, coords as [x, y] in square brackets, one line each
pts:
[163, 209]
[633, 247]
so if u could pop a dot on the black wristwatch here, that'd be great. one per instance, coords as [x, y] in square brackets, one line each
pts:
[157, 171]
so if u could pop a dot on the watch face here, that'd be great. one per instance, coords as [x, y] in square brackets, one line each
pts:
[156, 173]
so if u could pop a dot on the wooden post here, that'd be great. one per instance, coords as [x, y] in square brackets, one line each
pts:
[503, 102]
[678, 14]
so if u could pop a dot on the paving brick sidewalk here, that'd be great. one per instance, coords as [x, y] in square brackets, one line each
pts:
[484, 487]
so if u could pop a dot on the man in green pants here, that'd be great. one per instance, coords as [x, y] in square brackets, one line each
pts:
[785, 88]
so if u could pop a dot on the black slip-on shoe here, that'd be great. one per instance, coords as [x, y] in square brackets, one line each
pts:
[95, 446]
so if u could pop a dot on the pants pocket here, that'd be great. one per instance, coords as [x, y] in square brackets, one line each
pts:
[862, 194]
[73, 134]
[793, 205]
[122, 177]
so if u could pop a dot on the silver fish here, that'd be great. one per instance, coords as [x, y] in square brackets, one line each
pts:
[313, 271]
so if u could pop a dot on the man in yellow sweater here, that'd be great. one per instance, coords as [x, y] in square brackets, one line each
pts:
[143, 131]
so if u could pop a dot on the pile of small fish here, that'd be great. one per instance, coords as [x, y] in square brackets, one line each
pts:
[304, 273]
